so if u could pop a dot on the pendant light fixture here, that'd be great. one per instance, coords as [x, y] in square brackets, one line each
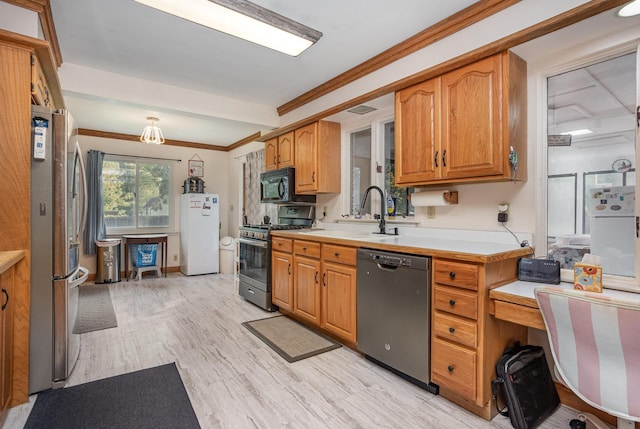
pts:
[243, 19]
[152, 134]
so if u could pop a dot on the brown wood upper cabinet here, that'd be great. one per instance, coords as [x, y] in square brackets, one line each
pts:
[461, 126]
[279, 152]
[317, 149]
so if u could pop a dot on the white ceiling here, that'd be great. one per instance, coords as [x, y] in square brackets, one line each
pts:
[121, 58]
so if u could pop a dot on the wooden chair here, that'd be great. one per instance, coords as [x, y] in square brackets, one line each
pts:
[595, 343]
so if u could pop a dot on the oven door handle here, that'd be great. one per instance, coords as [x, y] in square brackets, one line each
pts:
[256, 243]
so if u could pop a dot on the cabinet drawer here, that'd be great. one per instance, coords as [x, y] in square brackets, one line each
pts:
[454, 367]
[282, 244]
[456, 301]
[456, 274]
[307, 248]
[340, 254]
[455, 329]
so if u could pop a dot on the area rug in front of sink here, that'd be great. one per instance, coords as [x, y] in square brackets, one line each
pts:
[290, 339]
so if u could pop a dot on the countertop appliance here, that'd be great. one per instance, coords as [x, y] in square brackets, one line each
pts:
[393, 318]
[613, 228]
[58, 217]
[279, 187]
[199, 234]
[193, 185]
[255, 253]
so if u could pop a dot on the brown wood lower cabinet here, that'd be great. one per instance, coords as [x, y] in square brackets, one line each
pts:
[466, 340]
[282, 280]
[7, 302]
[316, 284]
[338, 308]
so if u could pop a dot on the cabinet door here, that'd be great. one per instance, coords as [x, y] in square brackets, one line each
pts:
[271, 154]
[6, 338]
[418, 156]
[307, 289]
[286, 150]
[306, 150]
[339, 300]
[282, 280]
[472, 134]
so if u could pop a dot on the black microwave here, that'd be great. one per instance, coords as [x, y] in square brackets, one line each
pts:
[279, 187]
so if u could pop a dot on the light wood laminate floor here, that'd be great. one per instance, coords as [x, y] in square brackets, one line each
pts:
[236, 381]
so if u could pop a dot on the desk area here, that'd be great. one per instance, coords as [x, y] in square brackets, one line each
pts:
[515, 302]
[145, 239]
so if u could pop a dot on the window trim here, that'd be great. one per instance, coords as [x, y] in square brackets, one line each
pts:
[579, 59]
[375, 121]
[170, 228]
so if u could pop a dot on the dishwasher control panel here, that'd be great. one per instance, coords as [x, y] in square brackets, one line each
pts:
[396, 261]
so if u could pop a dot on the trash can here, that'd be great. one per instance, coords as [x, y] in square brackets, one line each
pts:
[227, 250]
[108, 266]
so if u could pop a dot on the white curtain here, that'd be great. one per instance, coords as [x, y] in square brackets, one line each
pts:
[252, 206]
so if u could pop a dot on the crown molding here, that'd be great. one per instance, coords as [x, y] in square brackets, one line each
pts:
[466, 17]
[169, 142]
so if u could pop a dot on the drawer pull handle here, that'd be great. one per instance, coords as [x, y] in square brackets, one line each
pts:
[337, 254]
[304, 249]
[452, 302]
[452, 329]
[450, 368]
[316, 277]
[452, 275]
[289, 269]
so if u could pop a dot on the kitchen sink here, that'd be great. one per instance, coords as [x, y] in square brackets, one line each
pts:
[347, 235]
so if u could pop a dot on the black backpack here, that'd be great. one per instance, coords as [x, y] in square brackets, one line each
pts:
[527, 387]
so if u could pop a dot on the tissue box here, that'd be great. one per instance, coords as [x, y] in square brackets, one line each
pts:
[587, 277]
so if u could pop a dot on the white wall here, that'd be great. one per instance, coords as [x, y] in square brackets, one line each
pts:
[477, 207]
[218, 177]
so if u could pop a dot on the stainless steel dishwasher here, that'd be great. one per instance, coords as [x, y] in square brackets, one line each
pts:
[393, 291]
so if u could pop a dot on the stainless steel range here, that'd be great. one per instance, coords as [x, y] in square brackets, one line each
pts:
[255, 252]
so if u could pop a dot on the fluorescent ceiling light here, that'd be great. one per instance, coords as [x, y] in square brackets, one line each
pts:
[630, 9]
[580, 132]
[245, 20]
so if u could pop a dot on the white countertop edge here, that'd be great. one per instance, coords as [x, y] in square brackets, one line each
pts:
[526, 289]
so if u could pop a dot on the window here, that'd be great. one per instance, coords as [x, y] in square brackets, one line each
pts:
[136, 193]
[591, 158]
[366, 168]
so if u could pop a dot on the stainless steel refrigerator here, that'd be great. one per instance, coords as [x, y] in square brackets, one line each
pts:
[58, 215]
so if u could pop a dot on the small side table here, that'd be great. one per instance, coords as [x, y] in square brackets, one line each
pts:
[145, 239]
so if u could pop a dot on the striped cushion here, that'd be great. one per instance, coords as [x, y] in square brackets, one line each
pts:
[595, 342]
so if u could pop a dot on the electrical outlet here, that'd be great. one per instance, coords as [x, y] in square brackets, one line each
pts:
[431, 212]
[503, 212]
[175, 257]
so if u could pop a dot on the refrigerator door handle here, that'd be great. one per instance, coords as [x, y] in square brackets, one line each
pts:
[77, 281]
[83, 177]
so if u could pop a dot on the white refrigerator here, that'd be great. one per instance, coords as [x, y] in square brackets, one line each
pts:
[613, 235]
[199, 234]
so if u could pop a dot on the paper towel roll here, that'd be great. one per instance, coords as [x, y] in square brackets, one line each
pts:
[434, 198]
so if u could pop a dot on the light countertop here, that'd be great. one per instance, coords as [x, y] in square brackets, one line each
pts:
[9, 259]
[465, 250]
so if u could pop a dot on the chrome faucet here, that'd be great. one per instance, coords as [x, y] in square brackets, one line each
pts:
[382, 206]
